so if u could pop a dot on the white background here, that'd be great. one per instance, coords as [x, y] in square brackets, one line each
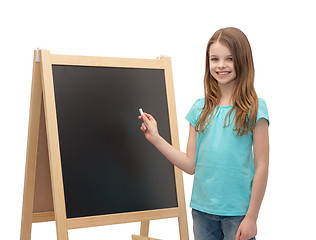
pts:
[282, 36]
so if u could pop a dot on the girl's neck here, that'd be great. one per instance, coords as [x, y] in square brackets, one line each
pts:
[226, 94]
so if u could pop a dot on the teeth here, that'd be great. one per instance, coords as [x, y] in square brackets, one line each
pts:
[223, 73]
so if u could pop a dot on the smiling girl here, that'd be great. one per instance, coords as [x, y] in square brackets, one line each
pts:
[228, 144]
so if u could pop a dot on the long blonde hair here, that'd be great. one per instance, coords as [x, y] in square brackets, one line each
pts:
[244, 96]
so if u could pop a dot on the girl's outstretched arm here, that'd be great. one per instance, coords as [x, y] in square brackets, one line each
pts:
[248, 227]
[184, 161]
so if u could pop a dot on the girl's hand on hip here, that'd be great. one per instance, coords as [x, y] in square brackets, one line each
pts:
[247, 229]
[149, 127]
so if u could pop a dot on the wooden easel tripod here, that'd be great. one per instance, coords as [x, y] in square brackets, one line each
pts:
[44, 198]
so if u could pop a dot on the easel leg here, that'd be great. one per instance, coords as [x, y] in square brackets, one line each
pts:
[53, 145]
[144, 231]
[183, 228]
[144, 228]
[31, 155]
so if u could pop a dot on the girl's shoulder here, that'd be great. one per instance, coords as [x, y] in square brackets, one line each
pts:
[199, 103]
[261, 101]
[262, 106]
[262, 110]
[195, 111]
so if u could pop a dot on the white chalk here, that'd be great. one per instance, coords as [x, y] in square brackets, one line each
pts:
[141, 113]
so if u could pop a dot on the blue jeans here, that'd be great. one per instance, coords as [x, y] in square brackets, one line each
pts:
[213, 227]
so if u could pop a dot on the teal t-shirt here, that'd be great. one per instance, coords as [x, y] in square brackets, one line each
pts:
[224, 164]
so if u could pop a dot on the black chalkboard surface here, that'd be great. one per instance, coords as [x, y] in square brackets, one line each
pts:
[108, 166]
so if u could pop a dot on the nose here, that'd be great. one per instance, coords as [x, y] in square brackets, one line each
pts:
[221, 63]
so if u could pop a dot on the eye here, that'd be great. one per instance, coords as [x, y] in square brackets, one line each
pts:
[214, 59]
[230, 59]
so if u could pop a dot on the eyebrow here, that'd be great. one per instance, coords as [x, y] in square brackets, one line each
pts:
[216, 55]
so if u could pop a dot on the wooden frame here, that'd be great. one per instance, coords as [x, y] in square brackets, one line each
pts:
[43, 198]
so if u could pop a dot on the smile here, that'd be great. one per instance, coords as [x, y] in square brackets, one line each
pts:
[223, 73]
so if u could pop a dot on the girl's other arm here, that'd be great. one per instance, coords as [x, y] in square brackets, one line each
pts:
[184, 161]
[248, 227]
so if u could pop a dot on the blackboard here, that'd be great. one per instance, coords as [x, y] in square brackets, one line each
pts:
[88, 163]
[108, 166]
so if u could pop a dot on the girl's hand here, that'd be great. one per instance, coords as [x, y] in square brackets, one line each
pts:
[247, 229]
[149, 127]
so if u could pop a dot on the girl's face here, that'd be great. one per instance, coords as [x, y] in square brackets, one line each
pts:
[222, 64]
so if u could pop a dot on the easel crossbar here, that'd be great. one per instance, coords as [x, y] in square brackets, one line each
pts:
[134, 237]
[106, 62]
[43, 217]
[110, 219]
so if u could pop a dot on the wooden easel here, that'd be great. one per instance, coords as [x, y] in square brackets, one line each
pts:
[43, 198]
[142, 238]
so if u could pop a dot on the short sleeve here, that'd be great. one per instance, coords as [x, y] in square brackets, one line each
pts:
[195, 111]
[262, 110]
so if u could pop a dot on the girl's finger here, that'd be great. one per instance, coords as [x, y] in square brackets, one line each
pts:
[148, 116]
[144, 126]
[145, 118]
[238, 234]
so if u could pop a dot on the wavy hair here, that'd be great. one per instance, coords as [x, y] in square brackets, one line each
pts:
[244, 96]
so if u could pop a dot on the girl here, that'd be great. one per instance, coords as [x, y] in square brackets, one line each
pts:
[228, 145]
